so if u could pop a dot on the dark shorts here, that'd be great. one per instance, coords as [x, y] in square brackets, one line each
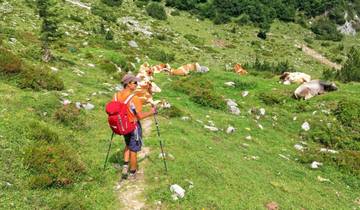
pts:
[133, 140]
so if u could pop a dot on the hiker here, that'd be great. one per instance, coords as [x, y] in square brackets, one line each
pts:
[133, 140]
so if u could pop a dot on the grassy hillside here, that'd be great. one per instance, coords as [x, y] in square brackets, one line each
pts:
[52, 158]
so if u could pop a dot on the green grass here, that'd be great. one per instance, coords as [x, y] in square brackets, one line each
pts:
[215, 162]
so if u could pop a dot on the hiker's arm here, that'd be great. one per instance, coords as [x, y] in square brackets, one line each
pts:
[143, 115]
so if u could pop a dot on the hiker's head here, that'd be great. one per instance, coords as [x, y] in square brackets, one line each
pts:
[130, 81]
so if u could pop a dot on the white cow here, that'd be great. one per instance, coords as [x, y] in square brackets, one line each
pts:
[294, 77]
[314, 87]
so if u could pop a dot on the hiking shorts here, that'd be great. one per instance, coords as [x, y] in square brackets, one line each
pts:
[133, 140]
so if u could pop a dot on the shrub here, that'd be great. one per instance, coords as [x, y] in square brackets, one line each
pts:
[141, 3]
[244, 19]
[175, 13]
[326, 30]
[274, 97]
[109, 35]
[67, 114]
[160, 55]
[308, 40]
[156, 11]
[9, 63]
[348, 113]
[274, 68]
[329, 74]
[171, 112]
[194, 39]
[103, 12]
[52, 165]
[40, 133]
[40, 78]
[112, 3]
[109, 67]
[200, 90]
[243, 85]
[351, 69]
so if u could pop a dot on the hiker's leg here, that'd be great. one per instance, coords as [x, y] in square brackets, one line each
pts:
[133, 161]
[126, 154]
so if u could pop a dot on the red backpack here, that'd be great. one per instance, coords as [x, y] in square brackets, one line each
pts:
[118, 116]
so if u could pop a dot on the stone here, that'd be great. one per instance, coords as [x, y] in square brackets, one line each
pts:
[262, 111]
[54, 69]
[91, 65]
[248, 137]
[185, 118]
[299, 147]
[315, 165]
[230, 84]
[305, 126]
[244, 93]
[178, 191]
[321, 179]
[133, 44]
[66, 102]
[230, 129]
[88, 106]
[211, 128]
[328, 151]
[234, 110]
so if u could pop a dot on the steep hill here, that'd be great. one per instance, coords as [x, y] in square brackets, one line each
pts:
[52, 155]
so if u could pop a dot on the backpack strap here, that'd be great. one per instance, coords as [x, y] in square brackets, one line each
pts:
[129, 98]
[115, 97]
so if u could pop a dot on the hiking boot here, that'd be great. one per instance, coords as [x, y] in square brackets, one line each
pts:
[124, 172]
[132, 176]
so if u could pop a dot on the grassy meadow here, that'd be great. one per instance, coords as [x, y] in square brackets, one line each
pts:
[52, 158]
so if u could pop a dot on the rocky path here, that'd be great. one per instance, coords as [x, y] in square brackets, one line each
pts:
[79, 4]
[322, 59]
[131, 191]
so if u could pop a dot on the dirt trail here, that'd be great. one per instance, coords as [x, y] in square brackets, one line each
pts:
[131, 191]
[322, 59]
[79, 4]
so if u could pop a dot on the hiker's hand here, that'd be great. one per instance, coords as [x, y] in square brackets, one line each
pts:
[154, 110]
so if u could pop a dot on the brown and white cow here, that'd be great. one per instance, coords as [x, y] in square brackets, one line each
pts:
[146, 87]
[186, 69]
[315, 87]
[239, 69]
[161, 68]
[294, 77]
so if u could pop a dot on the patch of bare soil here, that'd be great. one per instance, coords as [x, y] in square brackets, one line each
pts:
[317, 56]
[131, 191]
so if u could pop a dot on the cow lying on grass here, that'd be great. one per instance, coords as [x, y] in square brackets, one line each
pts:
[239, 69]
[314, 87]
[294, 77]
[186, 69]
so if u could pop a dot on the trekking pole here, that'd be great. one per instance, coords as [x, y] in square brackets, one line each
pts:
[161, 144]
[107, 155]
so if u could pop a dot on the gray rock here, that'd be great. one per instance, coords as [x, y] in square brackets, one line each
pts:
[177, 190]
[133, 44]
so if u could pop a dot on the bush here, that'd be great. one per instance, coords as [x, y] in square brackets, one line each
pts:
[200, 90]
[243, 20]
[161, 55]
[40, 78]
[41, 133]
[243, 85]
[351, 69]
[141, 3]
[326, 30]
[172, 112]
[274, 97]
[109, 67]
[103, 12]
[112, 3]
[193, 39]
[156, 11]
[347, 113]
[9, 63]
[68, 114]
[52, 165]
[175, 13]
[264, 66]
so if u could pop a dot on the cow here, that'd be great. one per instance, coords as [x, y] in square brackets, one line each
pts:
[161, 67]
[239, 69]
[294, 77]
[315, 87]
[186, 69]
